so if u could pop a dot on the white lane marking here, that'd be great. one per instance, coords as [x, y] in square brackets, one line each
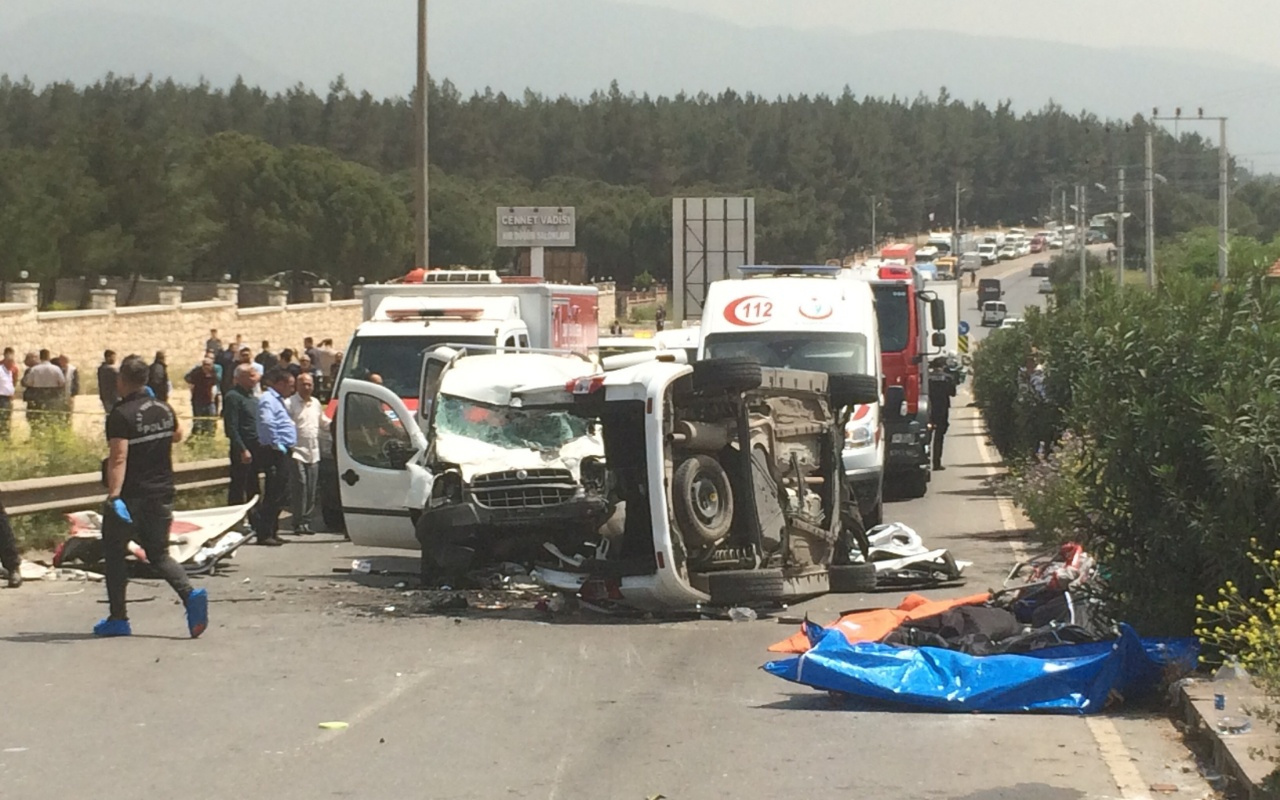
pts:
[1106, 736]
[1116, 756]
[402, 685]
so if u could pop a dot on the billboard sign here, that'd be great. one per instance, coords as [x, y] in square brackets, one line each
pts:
[712, 237]
[525, 226]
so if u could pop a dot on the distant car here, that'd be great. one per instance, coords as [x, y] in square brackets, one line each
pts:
[994, 313]
[1024, 247]
[1055, 242]
[1038, 245]
[1040, 269]
[1009, 251]
[1095, 236]
[1046, 286]
[989, 254]
[1010, 322]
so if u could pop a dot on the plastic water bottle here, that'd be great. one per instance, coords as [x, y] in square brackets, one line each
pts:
[1229, 682]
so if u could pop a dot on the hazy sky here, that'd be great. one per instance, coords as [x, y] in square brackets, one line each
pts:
[1245, 28]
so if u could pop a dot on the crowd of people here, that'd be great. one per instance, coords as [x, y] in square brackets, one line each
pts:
[270, 405]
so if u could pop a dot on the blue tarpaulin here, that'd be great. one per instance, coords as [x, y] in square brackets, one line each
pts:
[1071, 679]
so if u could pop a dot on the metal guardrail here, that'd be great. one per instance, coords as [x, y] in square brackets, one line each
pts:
[81, 492]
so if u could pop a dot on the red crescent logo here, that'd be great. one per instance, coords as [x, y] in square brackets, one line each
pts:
[749, 311]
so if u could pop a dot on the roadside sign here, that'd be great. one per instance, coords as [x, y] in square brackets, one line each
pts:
[524, 226]
[963, 344]
[964, 328]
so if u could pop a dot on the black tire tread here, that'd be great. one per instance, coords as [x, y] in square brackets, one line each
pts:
[737, 374]
[852, 578]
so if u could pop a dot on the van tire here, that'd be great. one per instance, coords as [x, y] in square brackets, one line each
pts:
[745, 586]
[735, 374]
[852, 578]
[707, 520]
[853, 390]
[916, 485]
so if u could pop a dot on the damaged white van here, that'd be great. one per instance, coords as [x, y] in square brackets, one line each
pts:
[731, 482]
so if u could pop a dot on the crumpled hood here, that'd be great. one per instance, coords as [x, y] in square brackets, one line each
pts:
[474, 457]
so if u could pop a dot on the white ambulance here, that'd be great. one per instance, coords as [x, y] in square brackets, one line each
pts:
[808, 318]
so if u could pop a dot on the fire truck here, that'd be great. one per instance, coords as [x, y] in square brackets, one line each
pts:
[912, 325]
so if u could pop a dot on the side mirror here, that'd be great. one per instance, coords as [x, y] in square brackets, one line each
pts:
[939, 339]
[938, 315]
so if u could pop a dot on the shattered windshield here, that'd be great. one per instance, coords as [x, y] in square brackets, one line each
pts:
[511, 428]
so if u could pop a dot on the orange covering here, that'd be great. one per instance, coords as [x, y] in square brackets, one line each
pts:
[874, 625]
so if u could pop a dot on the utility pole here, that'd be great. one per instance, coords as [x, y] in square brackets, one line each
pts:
[1151, 213]
[1062, 209]
[1082, 194]
[1224, 198]
[422, 185]
[1224, 182]
[873, 225]
[955, 232]
[1120, 231]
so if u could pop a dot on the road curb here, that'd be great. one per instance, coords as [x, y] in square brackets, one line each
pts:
[1230, 754]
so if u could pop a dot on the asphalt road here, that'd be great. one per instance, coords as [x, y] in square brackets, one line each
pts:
[505, 704]
[1021, 291]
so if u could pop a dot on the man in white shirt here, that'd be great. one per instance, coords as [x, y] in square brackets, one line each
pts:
[8, 385]
[308, 416]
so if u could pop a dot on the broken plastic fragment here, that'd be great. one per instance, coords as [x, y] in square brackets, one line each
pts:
[333, 726]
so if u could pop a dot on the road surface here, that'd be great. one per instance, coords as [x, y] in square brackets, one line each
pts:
[499, 704]
[1021, 290]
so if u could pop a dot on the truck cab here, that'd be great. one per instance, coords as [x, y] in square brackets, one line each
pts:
[911, 323]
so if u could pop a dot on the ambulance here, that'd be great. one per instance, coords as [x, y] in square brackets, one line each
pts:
[808, 318]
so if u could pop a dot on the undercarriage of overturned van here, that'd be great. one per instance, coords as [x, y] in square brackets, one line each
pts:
[730, 487]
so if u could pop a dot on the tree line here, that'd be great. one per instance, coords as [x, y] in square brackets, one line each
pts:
[154, 178]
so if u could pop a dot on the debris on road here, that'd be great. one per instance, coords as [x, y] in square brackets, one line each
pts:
[198, 540]
[334, 726]
[742, 615]
[903, 561]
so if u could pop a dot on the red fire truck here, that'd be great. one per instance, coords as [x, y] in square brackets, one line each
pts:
[912, 325]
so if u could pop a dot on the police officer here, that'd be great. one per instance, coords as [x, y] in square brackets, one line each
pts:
[942, 387]
[141, 431]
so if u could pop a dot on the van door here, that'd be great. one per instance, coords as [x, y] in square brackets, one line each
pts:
[376, 438]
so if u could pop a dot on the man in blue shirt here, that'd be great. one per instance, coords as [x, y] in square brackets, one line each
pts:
[277, 437]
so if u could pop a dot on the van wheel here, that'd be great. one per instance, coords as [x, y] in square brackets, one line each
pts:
[727, 375]
[852, 578]
[703, 499]
[745, 586]
[853, 390]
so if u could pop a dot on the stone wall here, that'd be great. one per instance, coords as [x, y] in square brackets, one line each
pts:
[180, 330]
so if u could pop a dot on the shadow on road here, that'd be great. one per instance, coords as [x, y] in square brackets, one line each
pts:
[68, 637]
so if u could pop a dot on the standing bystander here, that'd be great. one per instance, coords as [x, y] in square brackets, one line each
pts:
[203, 381]
[158, 377]
[277, 437]
[8, 387]
[141, 432]
[266, 358]
[108, 373]
[240, 423]
[10, 558]
[72, 374]
[43, 385]
[308, 416]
